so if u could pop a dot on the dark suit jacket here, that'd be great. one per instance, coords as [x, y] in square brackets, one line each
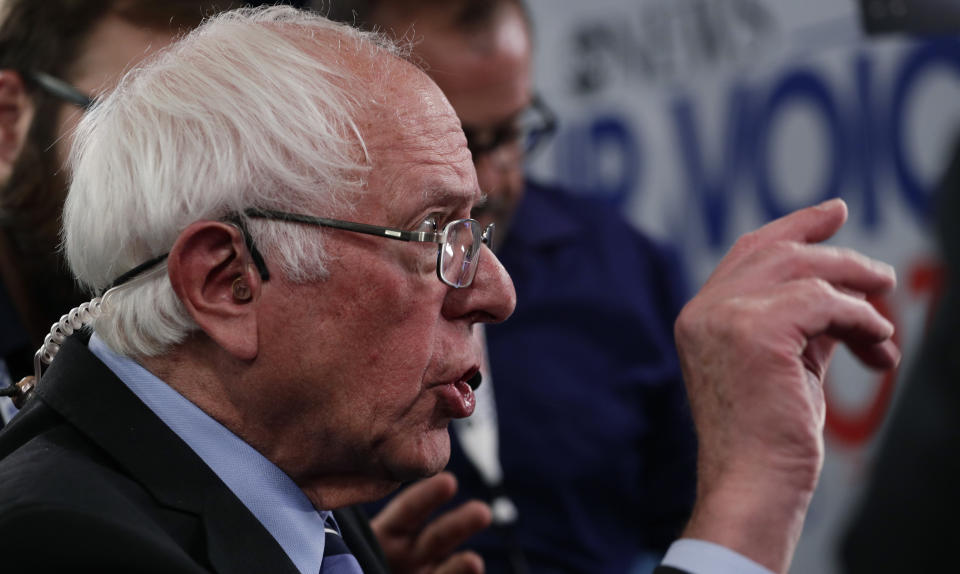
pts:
[92, 480]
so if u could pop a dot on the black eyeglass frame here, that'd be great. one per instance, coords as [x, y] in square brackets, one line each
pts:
[486, 235]
[440, 238]
[59, 89]
[504, 132]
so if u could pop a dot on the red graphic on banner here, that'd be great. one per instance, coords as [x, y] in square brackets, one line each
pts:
[855, 426]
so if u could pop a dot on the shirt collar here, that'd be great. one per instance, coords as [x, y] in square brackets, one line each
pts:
[271, 495]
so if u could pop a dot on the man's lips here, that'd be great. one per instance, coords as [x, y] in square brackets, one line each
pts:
[475, 380]
[457, 396]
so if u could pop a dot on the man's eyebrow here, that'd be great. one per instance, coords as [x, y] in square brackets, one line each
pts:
[481, 201]
[445, 195]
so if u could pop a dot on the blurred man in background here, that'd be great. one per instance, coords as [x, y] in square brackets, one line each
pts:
[56, 57]
[595, 440]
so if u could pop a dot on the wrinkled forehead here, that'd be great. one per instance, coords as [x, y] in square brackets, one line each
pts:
[418, 115]
[413, 133]
[410, 134]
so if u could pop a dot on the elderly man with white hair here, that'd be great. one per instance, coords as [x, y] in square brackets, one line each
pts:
[275, 215]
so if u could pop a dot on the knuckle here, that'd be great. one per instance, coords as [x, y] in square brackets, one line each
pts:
[694, 320]
[781, 259]
[789, 259]
[840, 256]
[739, 326]
[683, 326]
[688, 320]
[816, 289]
[748, 242]
[698, 321]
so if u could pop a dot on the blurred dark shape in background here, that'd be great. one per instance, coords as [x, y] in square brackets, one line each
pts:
[922, 17]
[906, 521]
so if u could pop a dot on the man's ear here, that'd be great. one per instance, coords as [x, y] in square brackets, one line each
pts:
[16, 115]
[212, 275]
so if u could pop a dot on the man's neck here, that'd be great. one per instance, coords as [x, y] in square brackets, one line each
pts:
[225, 389]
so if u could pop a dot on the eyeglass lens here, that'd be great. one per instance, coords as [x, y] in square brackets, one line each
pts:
[458, 254]
[531, 129]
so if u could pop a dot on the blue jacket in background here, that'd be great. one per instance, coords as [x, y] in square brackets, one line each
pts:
[596, 441]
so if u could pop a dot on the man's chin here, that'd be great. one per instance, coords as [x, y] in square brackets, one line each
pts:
[428, 458]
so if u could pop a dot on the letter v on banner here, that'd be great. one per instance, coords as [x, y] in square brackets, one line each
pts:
[713, 187]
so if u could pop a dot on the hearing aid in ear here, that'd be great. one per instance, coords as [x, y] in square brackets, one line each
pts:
[241, 289]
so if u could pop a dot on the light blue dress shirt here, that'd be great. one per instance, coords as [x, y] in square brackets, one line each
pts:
[702, 557]
[7, 410]
[264, 489]
[284, 509]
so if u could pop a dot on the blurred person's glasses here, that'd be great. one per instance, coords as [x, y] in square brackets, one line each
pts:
[527, 131]
[60, 89]
[458, 254]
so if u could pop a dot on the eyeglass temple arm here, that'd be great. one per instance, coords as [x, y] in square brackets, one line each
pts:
[255, 254]
[402, 235]
[253, 212]
[258, 261]
[60, 89]
[549, 116]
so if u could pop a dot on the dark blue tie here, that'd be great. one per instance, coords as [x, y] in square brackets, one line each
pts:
[337, 558]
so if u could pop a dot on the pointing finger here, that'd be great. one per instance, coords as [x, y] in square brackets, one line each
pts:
[810, 225]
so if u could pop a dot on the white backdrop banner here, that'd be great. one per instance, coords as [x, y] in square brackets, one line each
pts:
[703, 119]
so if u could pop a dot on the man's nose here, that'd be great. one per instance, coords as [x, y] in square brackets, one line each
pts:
[491, 297]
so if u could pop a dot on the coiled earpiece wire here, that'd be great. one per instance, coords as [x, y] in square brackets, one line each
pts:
[84, 314]
[71, 322]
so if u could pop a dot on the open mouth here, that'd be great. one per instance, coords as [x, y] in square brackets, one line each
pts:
[457, 396]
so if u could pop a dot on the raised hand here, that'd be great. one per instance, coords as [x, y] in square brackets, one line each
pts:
[414, 545]
[755, 344]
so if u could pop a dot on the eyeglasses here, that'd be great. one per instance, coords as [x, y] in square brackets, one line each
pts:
[531, 128]
[458, 253]
[60, 89]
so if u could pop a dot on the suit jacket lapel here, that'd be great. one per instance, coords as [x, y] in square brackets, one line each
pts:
[236, 541]
[86, 393]
[361, 541]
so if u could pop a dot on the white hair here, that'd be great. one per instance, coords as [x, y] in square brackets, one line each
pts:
[256, 108]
